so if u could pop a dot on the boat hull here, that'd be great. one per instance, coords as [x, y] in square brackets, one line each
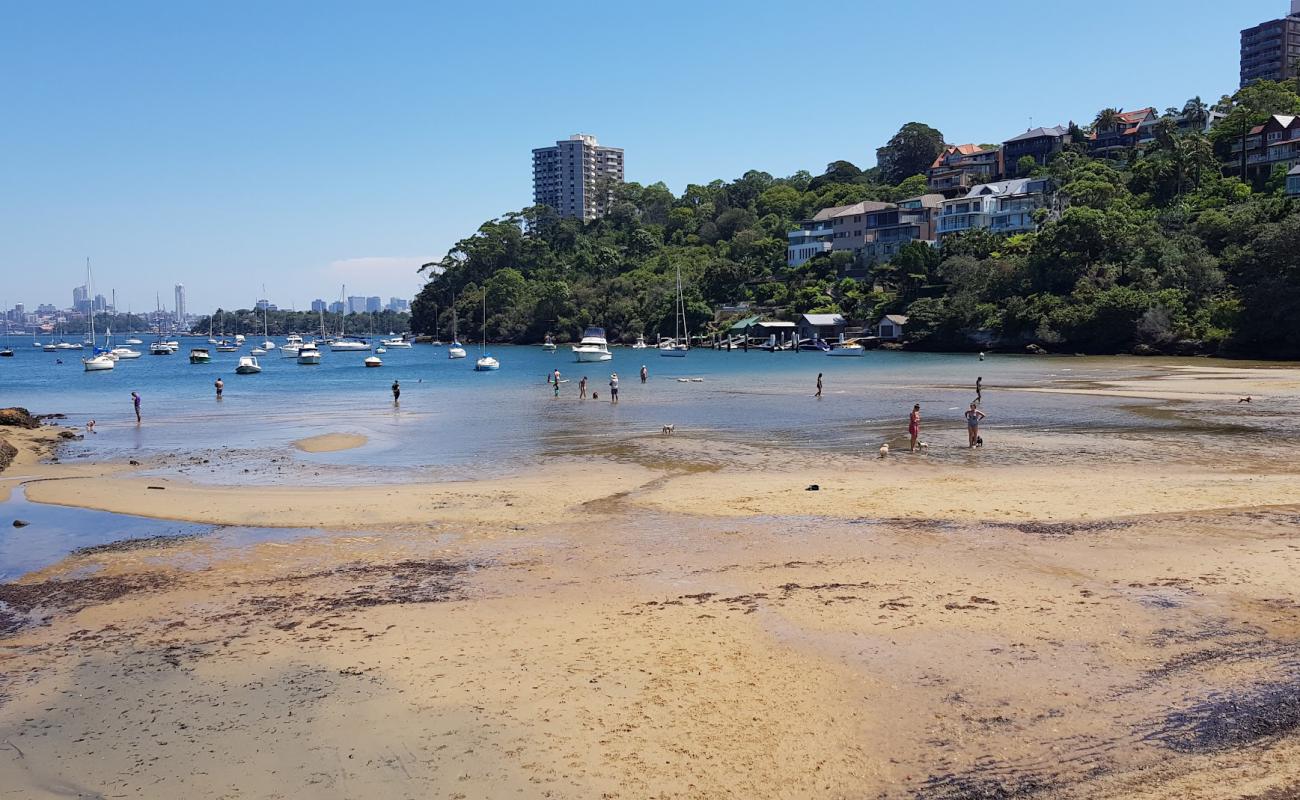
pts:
[98, 364]
[847, 352]
[591, 355]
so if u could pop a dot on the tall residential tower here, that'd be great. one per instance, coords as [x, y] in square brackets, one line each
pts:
[1270, 51]
[180, 305]
[577, 176]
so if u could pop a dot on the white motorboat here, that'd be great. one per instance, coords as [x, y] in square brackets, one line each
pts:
[677, 346]
[257, 351]
[239, 338]
[125, 353]
[292, 345]
[640, 343]
[223, 347]
[247, 366]
[548, 346]
[396, 341]
[134, 340]
[50, 348]
[852, 350]
[373, 361]
[309, 355]
[200, 355]
[173, 344]
[67, 346]
[592, 347]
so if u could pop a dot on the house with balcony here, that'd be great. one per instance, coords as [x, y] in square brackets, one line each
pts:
[1016, 210]
[1127, 132]
[959, 167]
[912, 220]
[812, 237]
[1293, 182]
[1040, 144]
[1275, 142]
[1005, 207]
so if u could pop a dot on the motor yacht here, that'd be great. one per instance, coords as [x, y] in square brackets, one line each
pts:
[592, 347]
[248, 366]
[308, 355]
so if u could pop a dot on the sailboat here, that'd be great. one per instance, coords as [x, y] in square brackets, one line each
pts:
[118, 353]
[677, 346]
[7, 351]
[345, 343]
[267, 344]
[456, 350]
[485, 362]
[99, 361]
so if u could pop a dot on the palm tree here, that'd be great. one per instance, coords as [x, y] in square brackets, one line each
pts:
[1196, 112]
[1107, 119]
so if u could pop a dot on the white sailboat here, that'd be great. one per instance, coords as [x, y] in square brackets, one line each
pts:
[345, 343]
[677, 346]
[98, 361]
[485, 362]
[456, 350]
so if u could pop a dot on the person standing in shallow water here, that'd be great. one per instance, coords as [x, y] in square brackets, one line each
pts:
[914, 425]
[979, 389]
[582, 388]
[819, 385]
[397, 392]
[973, 417]
[135, 401]
[613, 388]
[220, 386]
[645, 374]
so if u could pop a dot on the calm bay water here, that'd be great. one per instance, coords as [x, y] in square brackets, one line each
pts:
[465, 422]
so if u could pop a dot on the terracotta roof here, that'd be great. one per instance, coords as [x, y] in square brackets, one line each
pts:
[959, 149]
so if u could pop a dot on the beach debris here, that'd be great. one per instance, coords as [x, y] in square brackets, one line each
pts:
[812, 487]
[21, 523]
[134, 463]
[159, 488]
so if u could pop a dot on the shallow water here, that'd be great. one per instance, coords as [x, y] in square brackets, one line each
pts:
[463, 423]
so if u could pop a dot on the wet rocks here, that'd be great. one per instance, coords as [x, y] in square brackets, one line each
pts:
[16, 417]
[21, 523]
[7, 454]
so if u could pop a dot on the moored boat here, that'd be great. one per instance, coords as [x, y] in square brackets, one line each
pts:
[373, 361]
[593, 347]
[200, 355]
[248, 366]
[308, 355]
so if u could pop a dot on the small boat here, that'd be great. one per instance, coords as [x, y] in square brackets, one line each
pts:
[225, 346]
[200, 355]
[173, 344]
[348, 344]
[457, 350]
[160, 349]
[380, 350]
[640, 344]
[257, 351]
[308, 355]
[134, 340]
[239, 338]
[98, 363]
[847, 351]
[592, 347]
[67, 346]
[396, 341]
[7, 352]
[292, 344]
[677, 346]
[548, 346]
[50, 348]
[485, 362]
[125, 353]
[813, 345]
[248, 366]
[373, 361]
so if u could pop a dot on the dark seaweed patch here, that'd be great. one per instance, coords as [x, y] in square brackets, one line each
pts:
[1232, 720]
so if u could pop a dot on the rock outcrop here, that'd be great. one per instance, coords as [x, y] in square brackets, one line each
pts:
[18, 418]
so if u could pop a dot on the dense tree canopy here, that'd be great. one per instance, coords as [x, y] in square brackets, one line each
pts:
[1159, 250]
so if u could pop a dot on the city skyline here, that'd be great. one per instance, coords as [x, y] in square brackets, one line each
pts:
[225, 176]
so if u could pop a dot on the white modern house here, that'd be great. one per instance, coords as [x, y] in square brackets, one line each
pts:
[1004, 207]
[891, 326]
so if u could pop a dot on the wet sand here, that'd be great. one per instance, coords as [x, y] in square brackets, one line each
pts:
[647, 623]
[330, 442]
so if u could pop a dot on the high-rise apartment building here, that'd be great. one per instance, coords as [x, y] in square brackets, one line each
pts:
[374, 304]
[180, 304]
[577, 176]
[317, 306]
[80, 298]
[356, 304]
[337, 307]
[1270, 51]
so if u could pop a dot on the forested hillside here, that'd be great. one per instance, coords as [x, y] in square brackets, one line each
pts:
[1156, 252]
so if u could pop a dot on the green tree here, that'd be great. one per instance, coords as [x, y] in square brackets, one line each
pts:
[910, 152]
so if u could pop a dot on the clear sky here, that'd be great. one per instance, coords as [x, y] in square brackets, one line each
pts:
[302, 145]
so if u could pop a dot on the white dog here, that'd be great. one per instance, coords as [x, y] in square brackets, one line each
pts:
[669, 429]
[884, 450]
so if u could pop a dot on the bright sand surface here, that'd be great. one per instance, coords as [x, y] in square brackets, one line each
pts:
[330, 442]
[1118, 619]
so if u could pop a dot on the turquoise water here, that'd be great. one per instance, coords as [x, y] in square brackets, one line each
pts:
[464, 422]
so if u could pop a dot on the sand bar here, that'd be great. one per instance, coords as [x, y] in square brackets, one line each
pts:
[330, 442]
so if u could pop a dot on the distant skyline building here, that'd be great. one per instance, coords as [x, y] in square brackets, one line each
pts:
[374, 304]
[1270, 50]
[356, 304]
[318, 305]
[179, 292]
[398, 304]
[577, 176]
[80, 298]
[337, 307]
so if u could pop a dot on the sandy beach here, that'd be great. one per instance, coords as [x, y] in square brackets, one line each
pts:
[648, 623]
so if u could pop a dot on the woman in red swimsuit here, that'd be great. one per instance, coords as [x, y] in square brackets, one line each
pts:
[914, 425]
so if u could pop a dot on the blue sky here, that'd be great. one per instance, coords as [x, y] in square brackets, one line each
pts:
[304, 145]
